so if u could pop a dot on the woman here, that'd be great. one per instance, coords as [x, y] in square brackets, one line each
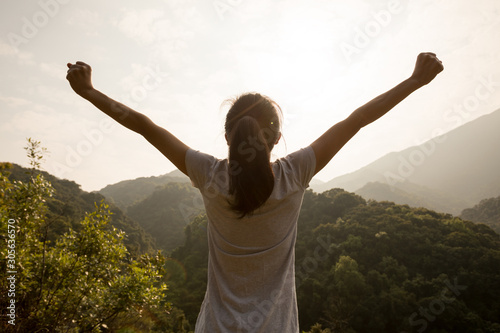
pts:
[252, 204]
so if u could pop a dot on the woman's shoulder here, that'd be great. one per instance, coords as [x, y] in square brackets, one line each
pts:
[200, 165]
[301, 156]
[299, 165]
[195, 156]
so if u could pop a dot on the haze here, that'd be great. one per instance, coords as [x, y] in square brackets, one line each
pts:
[177, 61]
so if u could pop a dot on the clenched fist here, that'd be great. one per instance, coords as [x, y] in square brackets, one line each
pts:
[79, 77]
[426, 68]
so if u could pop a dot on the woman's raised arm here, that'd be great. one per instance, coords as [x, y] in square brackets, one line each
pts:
[79, 77]
[328, 144]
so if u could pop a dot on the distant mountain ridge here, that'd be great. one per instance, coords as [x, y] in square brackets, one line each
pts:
[487, 211]
[165, 213]
[129, 192]
[447, 173]
[413, 195]
[161, 205]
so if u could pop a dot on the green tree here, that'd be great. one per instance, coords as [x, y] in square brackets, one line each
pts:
[317, 328]
[487, 211]
[348, 290]
[81, 283]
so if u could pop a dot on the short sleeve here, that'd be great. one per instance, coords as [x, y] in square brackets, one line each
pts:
[199, 166]
[303, 164]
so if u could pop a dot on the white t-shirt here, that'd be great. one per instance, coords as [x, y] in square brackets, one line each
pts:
[251, 262]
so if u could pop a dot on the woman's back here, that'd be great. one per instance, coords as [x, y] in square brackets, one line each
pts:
[252, 205]
[251, 284]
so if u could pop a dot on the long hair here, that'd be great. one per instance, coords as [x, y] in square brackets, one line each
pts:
[252, 129]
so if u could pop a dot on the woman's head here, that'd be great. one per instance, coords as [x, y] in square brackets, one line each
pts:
[252, 129]
[261, 108]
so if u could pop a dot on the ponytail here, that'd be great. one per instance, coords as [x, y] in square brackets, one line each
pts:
[252, 129]
[251, 178]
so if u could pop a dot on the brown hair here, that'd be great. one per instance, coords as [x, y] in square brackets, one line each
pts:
[252, 129]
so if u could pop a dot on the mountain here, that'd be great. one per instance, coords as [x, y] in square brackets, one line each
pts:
[407, 193]
[460, 167]
[165, 213]
[70, 203]
[365, 267]
[316, 182]
[487, 211]
[128, 192]
[161, 205]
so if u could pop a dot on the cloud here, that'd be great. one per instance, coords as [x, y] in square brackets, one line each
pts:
[27, 117]
[286, 49]
[86, 20]
[58, 96]
[7, 49]
[54, 70]
[33, 121]
[22, 57]
[14, 101]
[169, 36]
[140, 25]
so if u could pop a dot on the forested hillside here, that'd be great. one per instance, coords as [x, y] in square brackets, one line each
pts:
[165, 213]
[70, 204]
[487, 212]
[58, 274]
[361, 266]
[162, 205]
[373, 267]
[129, 192]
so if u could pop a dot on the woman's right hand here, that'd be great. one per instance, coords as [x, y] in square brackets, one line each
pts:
[80, 78]
[426, 68]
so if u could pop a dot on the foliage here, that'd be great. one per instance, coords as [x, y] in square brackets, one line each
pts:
[82, 281]
[487, 211]
[373, 267]
[69, 204]
[166, 212]
[187, 269]
[360, 266]
[130, 192]
[317, 328]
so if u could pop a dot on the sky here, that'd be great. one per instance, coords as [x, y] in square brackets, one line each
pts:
[177, 61]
